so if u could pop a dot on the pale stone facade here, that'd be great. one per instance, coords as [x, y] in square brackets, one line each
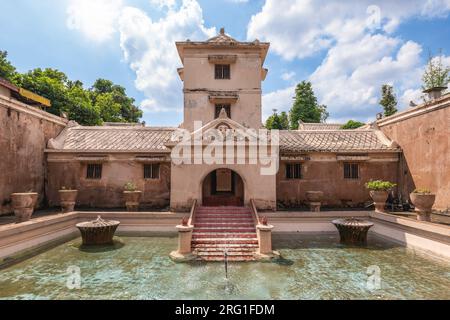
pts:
[241, 90]
[317, 157]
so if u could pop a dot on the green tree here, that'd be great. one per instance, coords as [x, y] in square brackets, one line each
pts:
[388, 100]
[49, 83]
[110, 111]
[436, 74]
[277, 121]
[128, 111]
[351, 124]
[104, 101]
[7, 70]
[81, 109]
[305, 106]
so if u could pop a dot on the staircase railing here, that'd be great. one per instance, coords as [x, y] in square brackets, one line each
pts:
[192, 213]
[254, 212]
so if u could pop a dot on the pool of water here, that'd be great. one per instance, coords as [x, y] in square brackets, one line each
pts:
[312, 267]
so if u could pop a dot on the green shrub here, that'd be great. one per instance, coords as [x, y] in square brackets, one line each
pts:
[130, 186]
[422, 191]
[380, 185]
[351, 124]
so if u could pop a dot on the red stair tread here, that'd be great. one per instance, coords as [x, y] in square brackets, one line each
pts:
[217, 229]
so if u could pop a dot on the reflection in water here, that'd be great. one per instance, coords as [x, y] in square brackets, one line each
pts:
[311, 267]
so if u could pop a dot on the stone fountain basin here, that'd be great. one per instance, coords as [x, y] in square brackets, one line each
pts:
[98, 232]
[353, 231]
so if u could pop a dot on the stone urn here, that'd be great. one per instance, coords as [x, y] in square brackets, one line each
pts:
[353, 231]
[315, 200]
[98, 232]
[423, 202]
[68, 198]
[435, 92]
[23, 205]
[379, 198]
[132, 200]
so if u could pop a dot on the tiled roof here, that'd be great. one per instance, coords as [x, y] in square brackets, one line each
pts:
[319, 126]
[333, 141]
[153, 139]
[116, 138]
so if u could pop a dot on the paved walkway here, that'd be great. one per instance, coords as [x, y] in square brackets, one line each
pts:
[8, 219]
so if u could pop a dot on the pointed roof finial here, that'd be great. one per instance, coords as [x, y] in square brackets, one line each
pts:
[222, 30]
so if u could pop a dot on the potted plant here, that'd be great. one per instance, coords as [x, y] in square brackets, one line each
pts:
[379, 191]
[23, 205]
[132, 196]
[68, 198]
[435, 78]
[315, 200]
[423, 200]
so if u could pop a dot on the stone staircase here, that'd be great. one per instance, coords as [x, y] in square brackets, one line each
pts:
[220, 228]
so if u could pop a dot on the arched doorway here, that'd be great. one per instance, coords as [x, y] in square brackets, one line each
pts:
[223, 187]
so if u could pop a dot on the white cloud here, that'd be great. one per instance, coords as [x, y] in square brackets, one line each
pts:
[97, 19]
[169, 4]
[149, 48]
[301, 28]
[281, 100]
[287, 76]
[361, 51]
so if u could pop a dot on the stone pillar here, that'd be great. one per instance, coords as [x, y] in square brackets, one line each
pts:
[315, 206]
[265, 252]
[184, 252]
[67, 206]
[423, 215]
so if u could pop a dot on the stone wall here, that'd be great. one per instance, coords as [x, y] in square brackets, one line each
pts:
[324, 173]
[66, 170]
[423, 133]
[24, 133]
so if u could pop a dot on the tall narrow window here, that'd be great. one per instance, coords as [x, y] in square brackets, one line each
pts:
[351, 171]
[219, 108]
[151, 171]
[94, 171]
[222, 71]
[293, 171]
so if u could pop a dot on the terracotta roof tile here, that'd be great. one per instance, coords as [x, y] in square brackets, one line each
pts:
[117, 138]
[320, 126]
[332, 141]
[153, 139]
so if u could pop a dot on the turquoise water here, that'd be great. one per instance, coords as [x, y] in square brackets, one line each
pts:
[313, 267]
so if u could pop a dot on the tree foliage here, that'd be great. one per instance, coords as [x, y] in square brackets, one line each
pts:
[277, 121]
[436, 74]
[388, 100]
[352, 124]
[103, 102]
[305, 106]
[7, 70]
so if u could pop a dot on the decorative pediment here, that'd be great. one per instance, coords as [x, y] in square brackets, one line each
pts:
[222, 58]
[223, 97]
[221, 129]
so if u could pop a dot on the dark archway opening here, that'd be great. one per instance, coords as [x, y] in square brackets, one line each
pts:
[223, 187]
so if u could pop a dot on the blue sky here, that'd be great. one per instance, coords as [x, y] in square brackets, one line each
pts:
[348, 49]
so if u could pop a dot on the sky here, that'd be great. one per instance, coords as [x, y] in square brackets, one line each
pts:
[347, 49]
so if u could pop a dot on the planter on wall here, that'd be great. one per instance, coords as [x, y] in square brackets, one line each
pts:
[68, 198]
[23, 205]
[132, 200]
[423, 202]
[435, 92]
[315, 200]
[379, 198]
